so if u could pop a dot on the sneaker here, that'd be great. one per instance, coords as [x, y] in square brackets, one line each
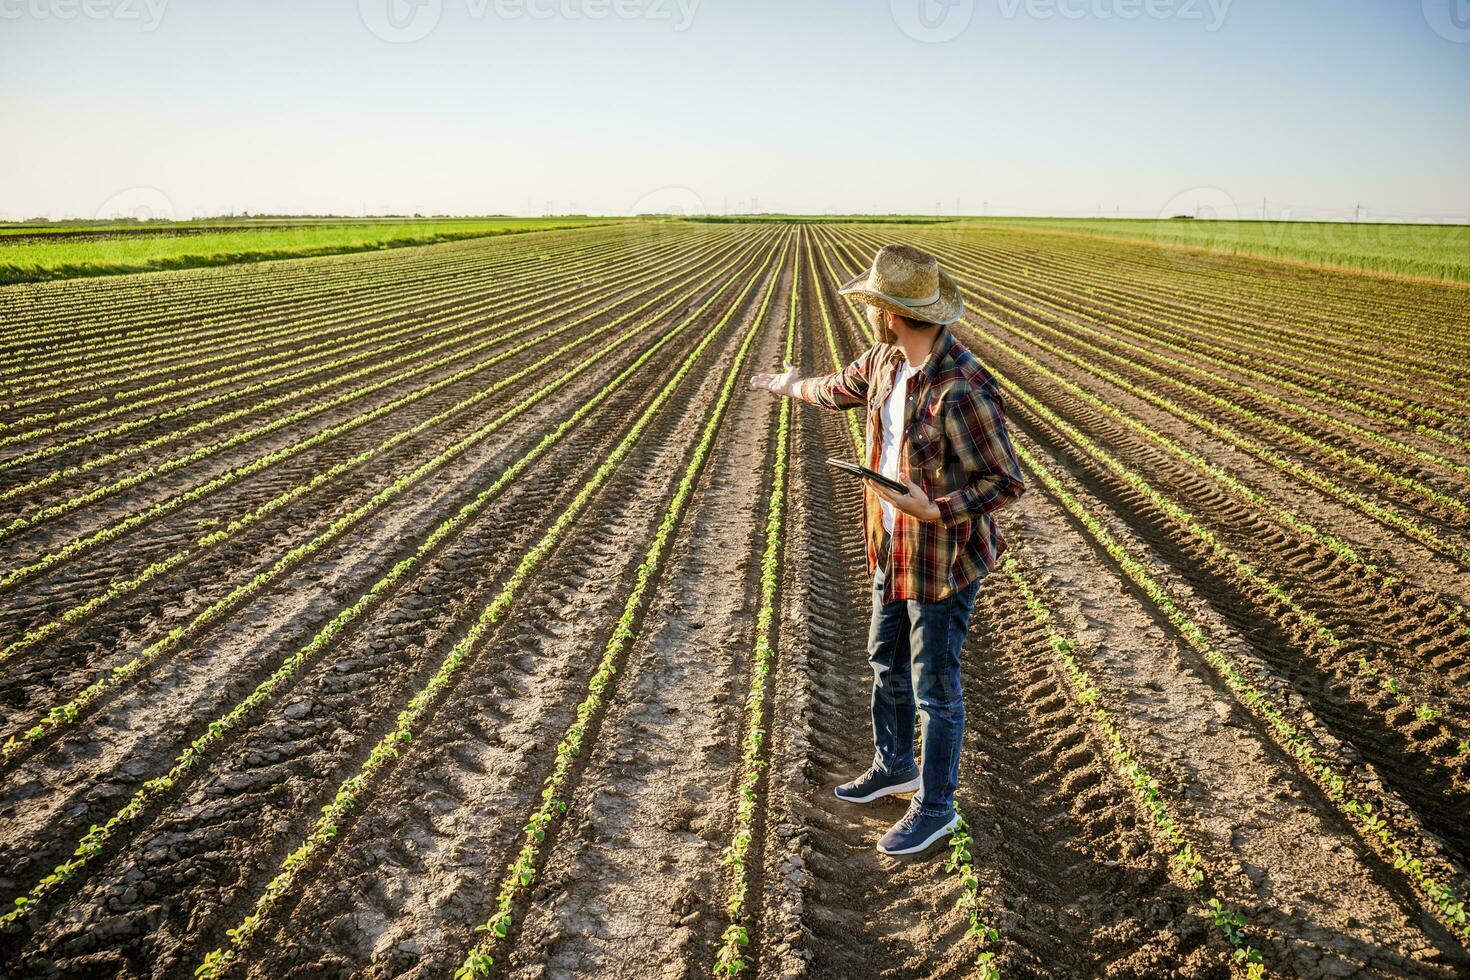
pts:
[875, 783]
[917, 831]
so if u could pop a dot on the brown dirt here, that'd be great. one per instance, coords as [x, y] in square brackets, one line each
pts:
[631, 882]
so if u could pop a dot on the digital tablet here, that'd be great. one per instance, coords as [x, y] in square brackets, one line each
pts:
[867, 474]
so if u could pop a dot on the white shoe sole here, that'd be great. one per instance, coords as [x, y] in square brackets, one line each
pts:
[944, 831]
[912, 786]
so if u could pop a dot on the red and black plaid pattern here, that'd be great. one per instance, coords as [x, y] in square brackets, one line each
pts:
[954, 446]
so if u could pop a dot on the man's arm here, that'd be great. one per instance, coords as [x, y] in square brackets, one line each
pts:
[840, 390]
[976, 427]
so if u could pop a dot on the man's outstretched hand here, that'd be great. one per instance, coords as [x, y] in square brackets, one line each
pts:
[782, 384]
[915, 503]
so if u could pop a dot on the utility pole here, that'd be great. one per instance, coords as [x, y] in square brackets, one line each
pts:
[1263, 207]
[1357, 209]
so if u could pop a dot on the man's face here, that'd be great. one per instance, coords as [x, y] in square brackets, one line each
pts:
[878, 320]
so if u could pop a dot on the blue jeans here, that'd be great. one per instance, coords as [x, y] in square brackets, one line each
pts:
[914, 648]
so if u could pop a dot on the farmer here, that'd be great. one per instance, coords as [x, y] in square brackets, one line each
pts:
[936, 422]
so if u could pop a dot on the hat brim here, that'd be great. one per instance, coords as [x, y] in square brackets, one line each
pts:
[948, 308]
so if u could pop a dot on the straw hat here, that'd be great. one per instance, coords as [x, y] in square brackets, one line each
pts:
[907, 281]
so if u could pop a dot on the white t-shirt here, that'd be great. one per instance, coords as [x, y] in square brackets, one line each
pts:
[892, 416]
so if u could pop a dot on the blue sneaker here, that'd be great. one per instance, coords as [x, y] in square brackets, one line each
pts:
[917, 831]
[875, 783]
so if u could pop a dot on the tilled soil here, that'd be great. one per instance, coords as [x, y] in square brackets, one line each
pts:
[1070, 866]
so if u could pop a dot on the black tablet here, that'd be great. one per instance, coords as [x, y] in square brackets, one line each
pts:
[867, 474]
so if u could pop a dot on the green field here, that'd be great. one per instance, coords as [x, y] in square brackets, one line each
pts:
[109, 248]
[31, 252]
[822, 219]
[1429, 251]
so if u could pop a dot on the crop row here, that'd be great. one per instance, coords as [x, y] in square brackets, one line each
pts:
[1209, 317]
[207, 328]
[1407, 526]
[1139, 321]
[134, 310]
[1282, 604]
[371, 343]
[392, 744]
[291, 394]
[198, 492]
[218, 731]
[68, 712]
[730, 959]
[414, 350]
[1179, 368]
[213, 335]
[1163, 820]
[1331, 309]
[1073, 336]
[260, 356]
[1289, 520]
[467, 312]
[1374, 824]
[1278, 460]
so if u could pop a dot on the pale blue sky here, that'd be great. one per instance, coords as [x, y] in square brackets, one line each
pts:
[1034, 106]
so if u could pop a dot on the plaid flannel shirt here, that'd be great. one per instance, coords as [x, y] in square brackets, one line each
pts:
[954, 445]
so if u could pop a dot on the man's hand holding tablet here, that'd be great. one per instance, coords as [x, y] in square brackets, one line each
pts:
[867, 474]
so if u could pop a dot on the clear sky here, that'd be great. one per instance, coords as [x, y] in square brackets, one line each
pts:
[609, 106]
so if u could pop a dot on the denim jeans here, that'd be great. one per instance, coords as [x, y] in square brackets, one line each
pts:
[914, 650]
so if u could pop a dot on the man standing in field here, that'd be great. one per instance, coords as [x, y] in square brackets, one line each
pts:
[935, 422]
